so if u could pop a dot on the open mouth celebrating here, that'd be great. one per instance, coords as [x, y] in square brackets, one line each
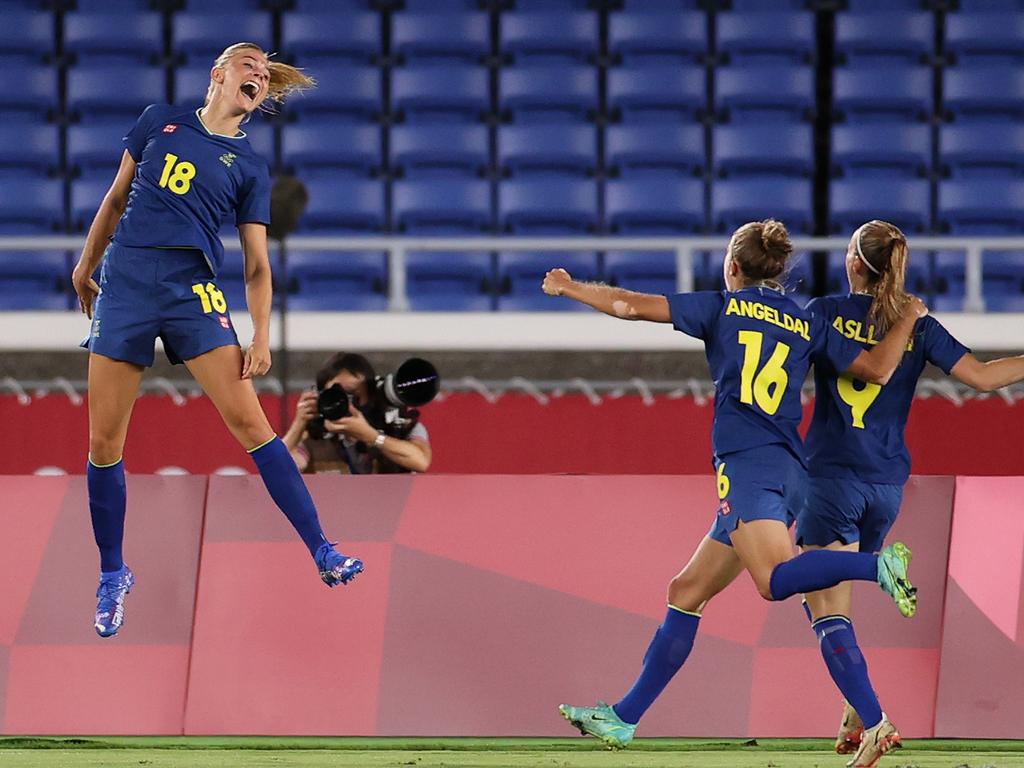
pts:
[250, 89]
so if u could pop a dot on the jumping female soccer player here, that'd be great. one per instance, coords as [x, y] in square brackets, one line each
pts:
[759, 345]
[182, 172]
[857, 460]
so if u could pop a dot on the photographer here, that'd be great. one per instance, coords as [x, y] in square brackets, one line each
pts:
[369, 440]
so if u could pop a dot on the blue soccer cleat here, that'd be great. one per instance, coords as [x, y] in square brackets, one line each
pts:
[602, 722]
[336, 568]
[110, 603]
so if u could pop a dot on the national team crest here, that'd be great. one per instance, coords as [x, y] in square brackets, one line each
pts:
[170, 128]
[228, 158]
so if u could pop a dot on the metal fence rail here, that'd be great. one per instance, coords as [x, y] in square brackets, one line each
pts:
[684, 249]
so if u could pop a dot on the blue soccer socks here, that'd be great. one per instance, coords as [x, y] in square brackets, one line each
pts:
[667, 652]
[820, 569]
[107, 499]
[289, 492]
[847, 666]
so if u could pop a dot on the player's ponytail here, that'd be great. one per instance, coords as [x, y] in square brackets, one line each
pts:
[761, 249]
[882, 248]
[284, 78]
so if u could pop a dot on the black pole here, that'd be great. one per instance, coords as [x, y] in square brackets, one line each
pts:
[282, 293]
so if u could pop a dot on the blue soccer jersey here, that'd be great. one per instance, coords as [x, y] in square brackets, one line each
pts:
[759, 344]
[857, 428]
[187, 182]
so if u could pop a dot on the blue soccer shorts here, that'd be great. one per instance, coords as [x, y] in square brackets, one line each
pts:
[150, 293]
[764, 483]
[838, 509]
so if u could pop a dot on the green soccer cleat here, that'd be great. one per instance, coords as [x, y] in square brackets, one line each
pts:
[601, 722]
[893, 562]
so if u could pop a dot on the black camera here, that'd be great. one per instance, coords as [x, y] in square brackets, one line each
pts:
[393, 401]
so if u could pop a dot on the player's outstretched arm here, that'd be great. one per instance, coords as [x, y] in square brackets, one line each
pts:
[991, 375]
[617, 302]
[102, 227]
[258, 295]
[878, 365]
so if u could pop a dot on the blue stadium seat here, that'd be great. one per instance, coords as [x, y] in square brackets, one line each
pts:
[983, 6]
[231, 280]
[763, 93]
[447, 6]
[201, 36]
[1005, 302]
[982, 206]
[1003, 272]
[982, 149]
[676, 147]
[462, 150]
[655, 204]
[775, 37]
[343, 205]
[874, 39]
[309, 148]
[332, 6]
[904, 202]
[888, 149]
[348, 35]
[520, 273]
[643, 271]
[86, 195]
[449, 281]
[191, 85]
[337, 281]
[798, 277]
[553, 205]
[114, 93]
[566, 148]
[34, 280]
[538, 302]
[31, 147]
[883, 93]
[989, 92]
[785, 150]
[737, 201]
[645, 93]
[442, 206]
[35, 98]
[91, 37]
[30, 204]
[540, 37]
[918, 278]
[658, 5]
[985, 37]
[348, 92]
[658, 38]
[948, 274]
[27, 34]
[452, 37]
[441, 93]
[531, 93]
[876, 6]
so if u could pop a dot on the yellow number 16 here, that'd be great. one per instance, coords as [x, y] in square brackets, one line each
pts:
[766, 387]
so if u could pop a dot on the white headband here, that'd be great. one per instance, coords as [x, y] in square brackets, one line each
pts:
[860, 255]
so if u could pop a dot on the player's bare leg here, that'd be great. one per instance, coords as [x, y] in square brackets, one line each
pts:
[113, 388]
[219, 373]
[711, 569]
[762, 545]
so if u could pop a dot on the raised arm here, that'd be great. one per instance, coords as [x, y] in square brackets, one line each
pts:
[878, 365]
[103, 225]
[617, 302]
[990, 375]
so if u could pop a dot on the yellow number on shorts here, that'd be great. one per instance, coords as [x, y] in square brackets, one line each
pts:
[766, 387]
[860, 399]
[177, 177]
[723, 481]
[213, 300]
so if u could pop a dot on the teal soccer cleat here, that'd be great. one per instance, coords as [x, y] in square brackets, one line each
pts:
[601, 722]
[893, 562]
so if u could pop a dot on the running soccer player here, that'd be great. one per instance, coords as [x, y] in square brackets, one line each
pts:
[857, 460]
[183, 171]
[759, 345]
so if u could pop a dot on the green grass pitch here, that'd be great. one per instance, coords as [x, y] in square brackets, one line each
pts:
[279, 752]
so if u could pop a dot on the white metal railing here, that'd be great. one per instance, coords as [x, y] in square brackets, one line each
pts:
[684, 249]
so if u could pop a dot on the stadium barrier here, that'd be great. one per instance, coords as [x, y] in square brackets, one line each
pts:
[523, 431]
[487, 600]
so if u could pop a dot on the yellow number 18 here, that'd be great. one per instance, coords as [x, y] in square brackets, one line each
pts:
[177, 177]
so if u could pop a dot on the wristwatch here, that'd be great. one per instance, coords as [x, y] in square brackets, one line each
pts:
[378, 441]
